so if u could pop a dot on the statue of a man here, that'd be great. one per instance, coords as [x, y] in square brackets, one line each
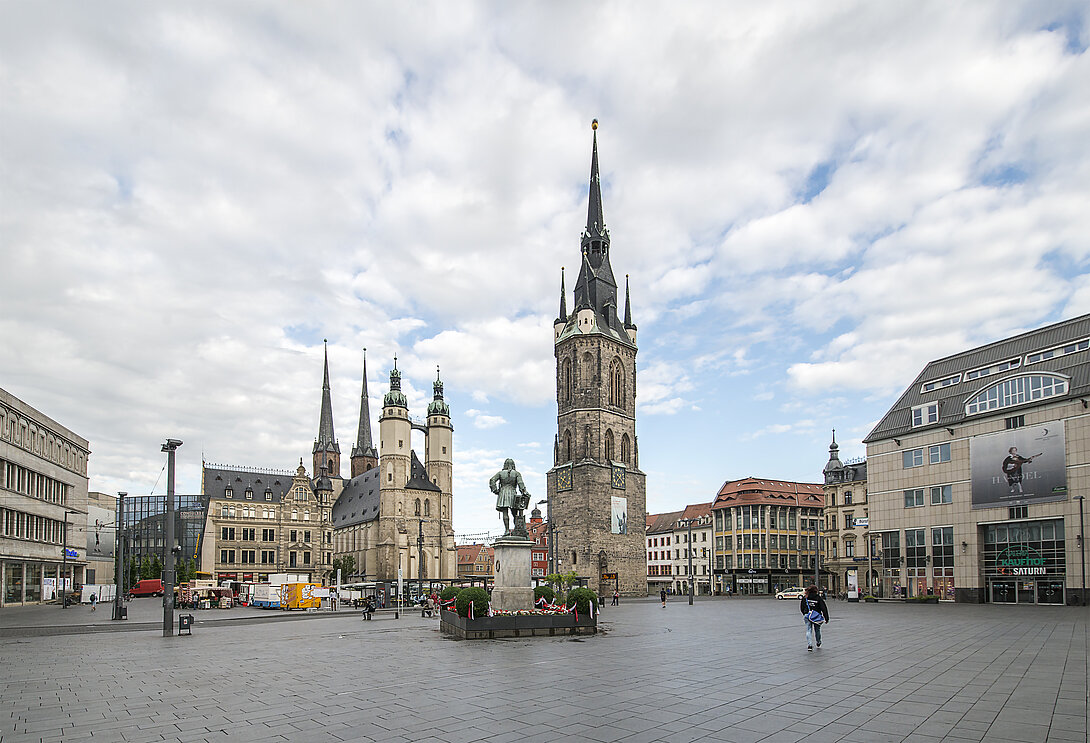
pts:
[512, 498]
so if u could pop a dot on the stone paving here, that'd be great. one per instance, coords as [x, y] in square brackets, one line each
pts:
[732, 670]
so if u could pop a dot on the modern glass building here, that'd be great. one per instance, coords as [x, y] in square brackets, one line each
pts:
[144, 523]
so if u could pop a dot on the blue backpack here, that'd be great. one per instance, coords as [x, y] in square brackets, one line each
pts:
[814, 615]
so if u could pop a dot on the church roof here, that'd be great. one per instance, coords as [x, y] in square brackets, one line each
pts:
[418, 476]
[359, 501]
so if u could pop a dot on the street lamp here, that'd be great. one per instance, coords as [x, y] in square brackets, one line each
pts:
[689, 523]
[1082, 547]
[119, 559]
[169, 447]
[64, 560]
[551, 553]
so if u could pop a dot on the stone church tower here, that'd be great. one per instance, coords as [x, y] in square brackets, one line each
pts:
[597, 493]
[327, 452]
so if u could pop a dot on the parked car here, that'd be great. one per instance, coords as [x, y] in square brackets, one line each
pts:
[791, 593]
[147, 587]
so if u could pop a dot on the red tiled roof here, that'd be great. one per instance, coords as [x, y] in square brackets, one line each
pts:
[776, 492]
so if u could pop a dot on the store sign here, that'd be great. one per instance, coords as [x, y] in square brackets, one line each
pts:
[69, 552]
[609, 576]
[862, 523]
[1020, 561]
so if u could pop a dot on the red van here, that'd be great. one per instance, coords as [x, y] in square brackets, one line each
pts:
[148, 587]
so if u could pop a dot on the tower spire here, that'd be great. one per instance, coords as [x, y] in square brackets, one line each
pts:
[596, 220]
[833, 466]
[327, 453]
[627, 305]
[364, 455]
[563, 298]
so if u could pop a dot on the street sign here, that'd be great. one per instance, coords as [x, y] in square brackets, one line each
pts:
[863, 523]
[609, 576]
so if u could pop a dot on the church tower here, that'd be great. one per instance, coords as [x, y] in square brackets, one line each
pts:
[439, 463]
[327, 452]
[597, 493]
[364, 456]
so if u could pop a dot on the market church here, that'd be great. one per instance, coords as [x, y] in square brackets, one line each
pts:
[271, 521]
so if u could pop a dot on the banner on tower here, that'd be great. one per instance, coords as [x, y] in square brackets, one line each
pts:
[619, 515]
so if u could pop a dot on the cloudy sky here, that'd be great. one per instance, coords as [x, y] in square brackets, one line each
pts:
[812, 200]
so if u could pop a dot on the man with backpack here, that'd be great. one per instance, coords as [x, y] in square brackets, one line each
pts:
[814, 614]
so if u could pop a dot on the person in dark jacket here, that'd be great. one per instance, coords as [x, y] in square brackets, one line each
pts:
[812, 601]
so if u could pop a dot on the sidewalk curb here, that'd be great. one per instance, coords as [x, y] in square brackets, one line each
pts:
[127, 626]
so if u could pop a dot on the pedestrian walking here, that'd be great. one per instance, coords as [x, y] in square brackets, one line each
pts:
[814, 614]
[94, 600]
[616, 597]
[662, 595]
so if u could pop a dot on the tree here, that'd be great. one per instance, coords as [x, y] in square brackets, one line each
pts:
[563, 580]
[347, 566]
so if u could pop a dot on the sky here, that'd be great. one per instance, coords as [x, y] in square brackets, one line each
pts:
[811, 200]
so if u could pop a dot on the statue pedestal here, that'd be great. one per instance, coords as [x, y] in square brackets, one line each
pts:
[512, 590]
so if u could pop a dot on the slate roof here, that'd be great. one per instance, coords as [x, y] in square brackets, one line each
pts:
[952, 398]
[217, 479]
[418, 476]
[358, 503]
[661, 523]
[751, 490]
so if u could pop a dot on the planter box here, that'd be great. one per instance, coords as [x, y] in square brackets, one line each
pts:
[533, 625]
[928, 600]
[871, 601]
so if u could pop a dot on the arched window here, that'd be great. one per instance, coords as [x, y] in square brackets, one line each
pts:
[427, 507]
[1016, 391]
[306, 515]
[624, 449]
[294, 515]
[616, 383]
[586, 373]
[609, 446]
[565, 381]
[416, 507]
[567, 446]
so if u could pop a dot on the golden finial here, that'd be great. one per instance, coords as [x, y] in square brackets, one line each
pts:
[594, 124]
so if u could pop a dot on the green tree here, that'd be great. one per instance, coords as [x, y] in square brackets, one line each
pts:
[347, 566]
[563, 580]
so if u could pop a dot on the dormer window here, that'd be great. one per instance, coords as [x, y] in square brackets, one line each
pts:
[228, 493]
[1016, 391]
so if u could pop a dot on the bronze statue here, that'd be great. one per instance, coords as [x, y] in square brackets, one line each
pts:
[512, 498]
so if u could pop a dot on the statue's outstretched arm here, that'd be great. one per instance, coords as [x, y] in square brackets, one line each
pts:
[522, 486]
[492, 483]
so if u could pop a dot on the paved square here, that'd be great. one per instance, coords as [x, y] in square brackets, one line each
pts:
[732, 670]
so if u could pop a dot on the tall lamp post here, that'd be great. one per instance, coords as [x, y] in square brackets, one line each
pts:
[1082, 547]
[64, 561]
[169, 447]
[689, 523]
[550, 554]
[119, 558]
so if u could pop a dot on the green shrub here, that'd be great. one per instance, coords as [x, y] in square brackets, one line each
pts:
[478, 596]
[546, 591]
[582, 598]
[448, 593]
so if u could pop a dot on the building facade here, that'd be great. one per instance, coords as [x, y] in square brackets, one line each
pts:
[977, 473]
[660, 546]
[43, 504]
[766, 534]
[475, 562]
[846, 549]
[261, 522]
[596, 490]
[538, 530]
[143, 533]
[395, 515]
[101, 536]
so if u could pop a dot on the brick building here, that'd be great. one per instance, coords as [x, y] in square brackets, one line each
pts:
[597, 492]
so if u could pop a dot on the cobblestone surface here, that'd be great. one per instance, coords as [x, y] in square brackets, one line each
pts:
[732, 670]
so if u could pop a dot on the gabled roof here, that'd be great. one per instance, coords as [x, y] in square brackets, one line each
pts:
[662, 523]
[217, 479]
[699, 510]
[359, 501]
[754, 490]
[418, 476]
[468, 553]
[953, 397]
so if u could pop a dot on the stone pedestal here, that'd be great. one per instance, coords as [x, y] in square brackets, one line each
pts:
[512, 590]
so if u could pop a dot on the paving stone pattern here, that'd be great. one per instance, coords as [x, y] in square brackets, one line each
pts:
[732, 670]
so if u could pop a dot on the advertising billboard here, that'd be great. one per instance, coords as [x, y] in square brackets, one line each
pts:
[618, 521]
[1019, 466]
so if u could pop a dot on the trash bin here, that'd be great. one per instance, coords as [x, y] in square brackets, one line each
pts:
[185, 623]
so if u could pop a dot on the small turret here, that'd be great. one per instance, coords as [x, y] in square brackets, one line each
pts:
[395, 397]
[833, 468]
[438, 406]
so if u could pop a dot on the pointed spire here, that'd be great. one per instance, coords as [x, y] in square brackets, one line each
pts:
[326, 449]
[395, 397]
[364, 447]
[627, 305]
[438, 405]
[563, 298]
[596, 221]
[325, 423]
[833, 466]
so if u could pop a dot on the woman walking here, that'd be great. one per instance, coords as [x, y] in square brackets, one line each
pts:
[814, 614]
